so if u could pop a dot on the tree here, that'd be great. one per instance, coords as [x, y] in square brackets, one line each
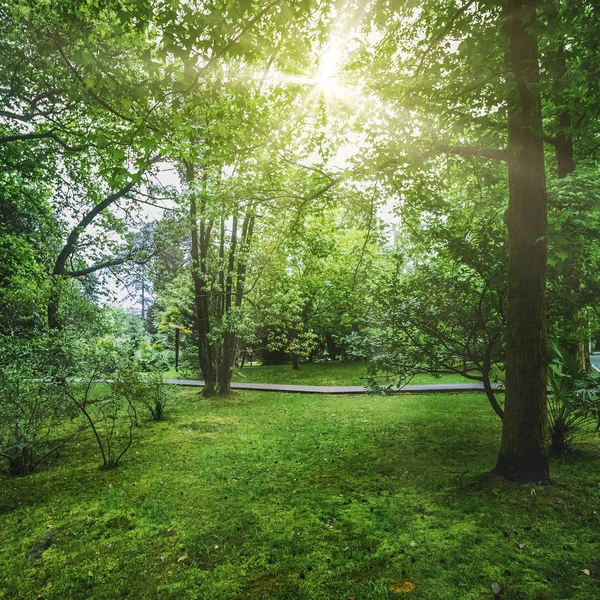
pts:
[441, 301]
[492, 110]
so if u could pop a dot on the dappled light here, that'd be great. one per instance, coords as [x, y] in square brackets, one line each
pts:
[299, 300]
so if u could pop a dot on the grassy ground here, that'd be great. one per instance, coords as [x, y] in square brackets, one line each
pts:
[325, 373]
[281, 496]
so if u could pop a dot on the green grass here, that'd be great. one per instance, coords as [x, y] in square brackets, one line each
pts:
[279, 496]
[325, 373]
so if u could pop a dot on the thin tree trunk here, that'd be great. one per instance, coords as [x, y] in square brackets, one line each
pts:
[565, 160]
[144, 297]
[177, 340]
[225, 368]
[491, 396]
[295, 364]
[523, 453]
[200, 240]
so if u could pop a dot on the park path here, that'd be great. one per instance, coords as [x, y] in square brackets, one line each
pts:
[340, 389]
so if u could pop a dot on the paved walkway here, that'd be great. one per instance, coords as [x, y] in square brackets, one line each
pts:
[341, 389]
[595, 360]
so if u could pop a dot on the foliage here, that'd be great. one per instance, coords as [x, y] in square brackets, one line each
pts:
[440, 303]
[574, 403]
[33, 416]
[109, 410]
[155, 395]
[36, 419]
[573, 263]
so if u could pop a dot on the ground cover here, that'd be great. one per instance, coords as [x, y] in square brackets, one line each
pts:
[277, 496]
[318, 373]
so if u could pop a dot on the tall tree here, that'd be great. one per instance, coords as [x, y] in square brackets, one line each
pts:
[523, 454]
[492, 109]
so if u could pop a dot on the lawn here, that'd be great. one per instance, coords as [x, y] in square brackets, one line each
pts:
[275, 496]
[323, 373]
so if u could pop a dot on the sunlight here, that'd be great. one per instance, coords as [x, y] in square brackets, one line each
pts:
[326, 76]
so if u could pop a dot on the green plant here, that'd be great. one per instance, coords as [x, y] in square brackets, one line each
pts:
[574, 401]
[156, 395]
[109, 410]
[32, 415]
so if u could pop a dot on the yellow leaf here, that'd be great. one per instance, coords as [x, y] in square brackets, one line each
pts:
[181, 558]
[585, 571]
[404, 587]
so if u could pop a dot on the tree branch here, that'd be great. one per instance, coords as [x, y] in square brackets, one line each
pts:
[38, 136]
[97, 267]
[73, 238]
[469, 151]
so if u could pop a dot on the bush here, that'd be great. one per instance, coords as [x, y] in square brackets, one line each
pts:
[36, 420]
[33, 413]
[156, 395]
[106, 398]
[574, 401]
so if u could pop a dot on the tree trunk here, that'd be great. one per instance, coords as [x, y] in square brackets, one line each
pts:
[225, 368]
[295, 364]
[564, 145]
[53, 300]
[177, 339]
[144, 297]
[523, 452]
[201, 303]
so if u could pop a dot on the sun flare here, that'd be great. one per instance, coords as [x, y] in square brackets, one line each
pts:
[326, 77]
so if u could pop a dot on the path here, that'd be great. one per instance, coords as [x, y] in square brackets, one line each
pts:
[595, 360]
[341, 389]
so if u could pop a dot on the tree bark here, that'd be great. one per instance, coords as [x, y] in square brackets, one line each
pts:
[225, 368]
[200, 242]
[295, 363]
[491, 396]
[565, 161]
[523, 452]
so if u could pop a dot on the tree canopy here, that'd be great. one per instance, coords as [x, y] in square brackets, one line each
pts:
[412, 184]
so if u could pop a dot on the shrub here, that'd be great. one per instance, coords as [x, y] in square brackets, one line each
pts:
[156, 395]
[106, 398]
[33, 416]
[574, 401]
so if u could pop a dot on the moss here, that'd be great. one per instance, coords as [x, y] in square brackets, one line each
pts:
[290, 496]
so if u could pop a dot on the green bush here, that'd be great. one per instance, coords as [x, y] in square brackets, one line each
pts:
[573, 403]
[156, 395]
[33, 416]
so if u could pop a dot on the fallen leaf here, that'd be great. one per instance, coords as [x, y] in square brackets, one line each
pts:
[181, 558]
[404, 587]
[585, 571]
[89, 574]
[521, 546]
[110, 485]
[351, 597]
